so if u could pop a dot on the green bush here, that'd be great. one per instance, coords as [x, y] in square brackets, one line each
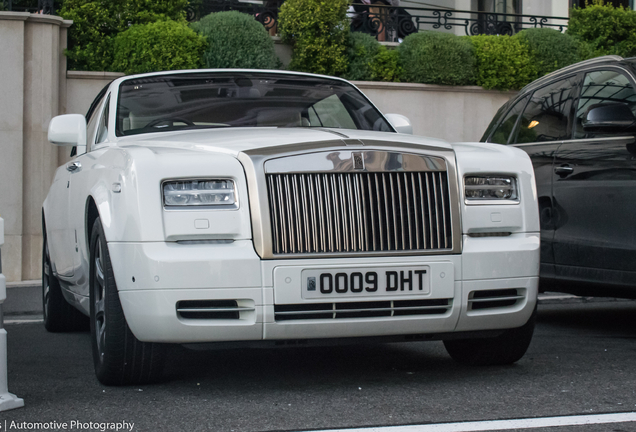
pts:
[503, 62]
[437, 58]
[236, 40]
[362, 48]
[96, 23]
[551, 50]
[162, 45]
[386, 66]
[318, 30]
[608, 29]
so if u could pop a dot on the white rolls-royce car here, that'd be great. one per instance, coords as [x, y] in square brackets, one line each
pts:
[213, 206]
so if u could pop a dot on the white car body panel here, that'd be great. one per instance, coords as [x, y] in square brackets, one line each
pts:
[155, 267]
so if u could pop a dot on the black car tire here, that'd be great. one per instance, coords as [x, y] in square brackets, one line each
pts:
[119, 357]
[507, 348]
[59, 315]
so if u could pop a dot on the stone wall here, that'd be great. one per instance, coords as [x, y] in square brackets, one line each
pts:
[33, 71]
[36, 87]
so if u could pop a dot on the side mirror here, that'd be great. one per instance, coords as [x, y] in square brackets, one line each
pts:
[68, 130]
[609, 117]
[400, 123]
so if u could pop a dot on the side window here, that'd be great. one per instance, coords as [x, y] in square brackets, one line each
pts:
[503, 131]
[102, 127]
[603, 87]
[93, 123]
[547, 114]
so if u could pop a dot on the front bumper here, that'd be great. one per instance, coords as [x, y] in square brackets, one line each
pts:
[166, 274]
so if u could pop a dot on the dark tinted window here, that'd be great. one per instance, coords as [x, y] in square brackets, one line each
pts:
[495, 121]
[503, 131]
[546, 116]
[603, 87]
[209, 100]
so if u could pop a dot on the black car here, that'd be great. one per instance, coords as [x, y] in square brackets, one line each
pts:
[578, 126]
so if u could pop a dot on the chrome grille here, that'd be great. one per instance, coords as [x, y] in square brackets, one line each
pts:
[359, 212]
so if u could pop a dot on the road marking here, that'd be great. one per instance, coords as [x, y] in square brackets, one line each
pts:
[24, 321]
[497, 425]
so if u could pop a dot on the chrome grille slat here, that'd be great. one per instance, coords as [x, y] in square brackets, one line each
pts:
[359, 212]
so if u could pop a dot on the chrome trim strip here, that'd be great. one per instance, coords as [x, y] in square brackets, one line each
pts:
[495, 299]
[337, 311]
[254, 162]
[216, 309]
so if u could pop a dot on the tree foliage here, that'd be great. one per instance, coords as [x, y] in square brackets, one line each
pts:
[236, 40]
[318, 30]
[162, 45]
[607, 29]
[96, 24]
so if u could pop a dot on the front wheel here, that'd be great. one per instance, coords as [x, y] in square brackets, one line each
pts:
[504, 349]
[119, 357]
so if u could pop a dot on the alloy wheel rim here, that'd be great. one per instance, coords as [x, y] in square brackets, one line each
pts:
[99, 291]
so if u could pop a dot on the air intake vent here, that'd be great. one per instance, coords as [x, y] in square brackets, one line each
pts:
[494, 298]
[319, 311]
[210, 309]
[359, 212]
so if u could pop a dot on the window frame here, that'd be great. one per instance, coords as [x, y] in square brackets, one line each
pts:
[619, 68]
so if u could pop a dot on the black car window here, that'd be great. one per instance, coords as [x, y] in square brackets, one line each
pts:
[546, 115]
[605, 86]
[495, 121]
[500, 136]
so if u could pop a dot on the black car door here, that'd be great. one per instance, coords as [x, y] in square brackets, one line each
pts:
[539, 127]
[595, 190]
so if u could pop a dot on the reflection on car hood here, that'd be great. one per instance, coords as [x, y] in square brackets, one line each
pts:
[236, 140]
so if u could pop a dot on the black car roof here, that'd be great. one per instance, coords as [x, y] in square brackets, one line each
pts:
[609, 59]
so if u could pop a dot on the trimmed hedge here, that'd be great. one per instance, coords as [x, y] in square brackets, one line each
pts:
[438, 58]
[361, 50]
[319, 30]
[503, 62]
[551, 50]
[96, 23]
[387, 66]
[607, 29]
[163, 45]
[236, 40]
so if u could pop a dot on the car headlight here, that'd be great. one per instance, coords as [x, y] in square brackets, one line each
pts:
[201, 193]
[490, 188]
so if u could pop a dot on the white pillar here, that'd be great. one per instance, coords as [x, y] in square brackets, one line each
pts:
[7, 400]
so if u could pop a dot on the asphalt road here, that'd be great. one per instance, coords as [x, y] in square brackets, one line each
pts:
[582, 361]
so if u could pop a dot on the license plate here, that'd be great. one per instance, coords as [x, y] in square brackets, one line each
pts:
[365, 282]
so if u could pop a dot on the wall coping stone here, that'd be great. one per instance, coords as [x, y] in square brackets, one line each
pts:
[38, 18]
[14, 16]
[93, 75]
[378, 85]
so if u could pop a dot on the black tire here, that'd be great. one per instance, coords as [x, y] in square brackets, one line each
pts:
[59, 315]
[119, 357]
[504, 349]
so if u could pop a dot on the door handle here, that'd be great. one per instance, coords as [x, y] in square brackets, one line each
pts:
[73, 166]
[564, 170]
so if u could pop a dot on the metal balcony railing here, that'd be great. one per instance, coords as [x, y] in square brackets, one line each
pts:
[389, 23]
[386, 23]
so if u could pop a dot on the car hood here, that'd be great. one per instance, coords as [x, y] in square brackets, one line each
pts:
[236, 140]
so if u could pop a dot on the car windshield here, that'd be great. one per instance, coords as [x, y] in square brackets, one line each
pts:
[211, 100]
